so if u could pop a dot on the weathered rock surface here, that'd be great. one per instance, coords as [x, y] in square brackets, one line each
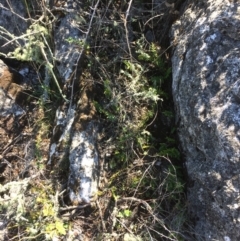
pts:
[75, 128]
[13, 22]
[67, 40]
[206, 91]
[84, 173]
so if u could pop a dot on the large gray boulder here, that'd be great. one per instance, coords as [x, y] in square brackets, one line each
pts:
[206, 91]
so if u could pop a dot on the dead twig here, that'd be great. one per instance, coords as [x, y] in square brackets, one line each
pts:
[101, 215]
[133, 199]
[8, 146]
[125, 21]
[74, 207]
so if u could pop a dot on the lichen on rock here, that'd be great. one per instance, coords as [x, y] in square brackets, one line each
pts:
[83, 165]
[206, 94]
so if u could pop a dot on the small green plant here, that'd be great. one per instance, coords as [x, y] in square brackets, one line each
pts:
[174, 182]
[107, 89]
[79, 42]
[34, 41]
[109, 114]
[37, 48]
[126, 213]
[137, 85]
[43, 214]
[170, 152]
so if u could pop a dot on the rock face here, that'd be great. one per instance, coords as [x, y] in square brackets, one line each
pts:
[206, 90]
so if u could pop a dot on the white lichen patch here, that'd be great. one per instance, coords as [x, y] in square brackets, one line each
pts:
[65, 121]
[83, 179]
[67, 129]
[226, 238]
[52, 152]
[208, 60]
